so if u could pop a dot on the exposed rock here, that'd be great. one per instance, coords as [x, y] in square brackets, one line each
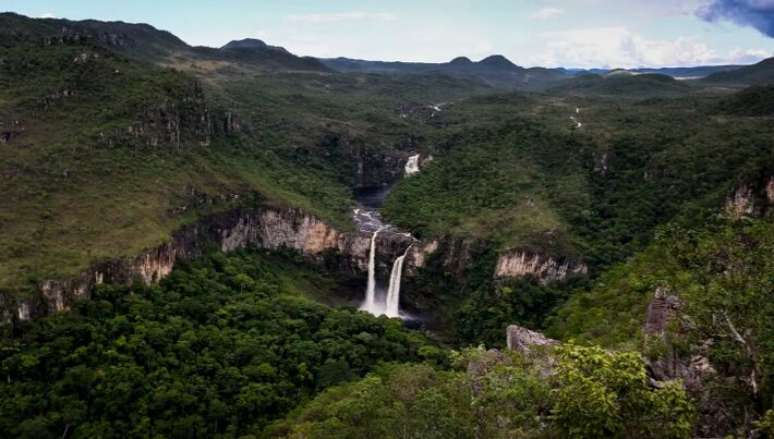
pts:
[752, 199]
[185, 121]
[517, 264]
[270, 228]
[419, 253]
[693, 370]
[524, 340]
[661, 310]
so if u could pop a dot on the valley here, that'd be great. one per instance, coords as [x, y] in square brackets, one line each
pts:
[242, 242]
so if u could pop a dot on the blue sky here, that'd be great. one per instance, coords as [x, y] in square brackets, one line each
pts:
[570, 33]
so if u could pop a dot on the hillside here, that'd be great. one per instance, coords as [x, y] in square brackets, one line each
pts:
[752, 101]
[622, 84]
[142, 42]
[186, 232]
[173, 147]
[495, 70]
[756, 74]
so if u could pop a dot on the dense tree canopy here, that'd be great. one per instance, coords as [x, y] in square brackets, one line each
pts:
[590, 394]
[219, 349]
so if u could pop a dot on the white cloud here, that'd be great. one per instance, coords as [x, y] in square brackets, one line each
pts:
[342, 16]
[47, 15]
[619, 47]
[546, 13]
[748, 56]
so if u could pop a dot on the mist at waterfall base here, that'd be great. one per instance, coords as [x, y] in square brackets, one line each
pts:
[376, 302]
[367, 217]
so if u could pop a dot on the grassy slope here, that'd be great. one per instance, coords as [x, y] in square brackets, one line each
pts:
[497, 190]
[71, 199]
[79, 189]
[512, 168]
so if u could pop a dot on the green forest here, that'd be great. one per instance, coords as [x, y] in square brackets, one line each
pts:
[221, 348]
[574, 253]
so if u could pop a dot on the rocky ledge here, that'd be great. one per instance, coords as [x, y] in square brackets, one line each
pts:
[267, 227]
[546, 269]
[754, 198]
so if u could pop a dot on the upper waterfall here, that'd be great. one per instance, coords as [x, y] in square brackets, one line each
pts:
[412, 165]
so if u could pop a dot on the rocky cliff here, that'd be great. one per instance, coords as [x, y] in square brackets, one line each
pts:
[268, 227]
[754, 198]
[177, 122]
[546, 269]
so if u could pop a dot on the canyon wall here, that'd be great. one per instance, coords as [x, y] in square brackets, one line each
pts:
[268, 227]
[546, 269]
[752, 199]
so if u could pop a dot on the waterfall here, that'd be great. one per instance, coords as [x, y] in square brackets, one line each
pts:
[393, 293]
[370, 300]
[412, 165]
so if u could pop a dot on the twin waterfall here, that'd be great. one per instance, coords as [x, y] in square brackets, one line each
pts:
[391, 305]
[368, 220]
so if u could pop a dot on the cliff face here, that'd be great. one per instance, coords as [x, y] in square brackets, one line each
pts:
[752, 199]
[178, 122]
[515, 264]
[270, 228]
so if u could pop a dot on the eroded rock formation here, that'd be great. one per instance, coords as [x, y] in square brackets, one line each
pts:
[518, 263]
[523, 340]
[661, 310]
[269, 227]
[752, 199]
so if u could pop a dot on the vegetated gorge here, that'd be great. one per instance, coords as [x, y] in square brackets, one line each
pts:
[239, 242]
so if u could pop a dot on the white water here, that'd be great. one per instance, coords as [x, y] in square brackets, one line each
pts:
[578, 123]
[392, 306]
[370, 300]
[412, 165]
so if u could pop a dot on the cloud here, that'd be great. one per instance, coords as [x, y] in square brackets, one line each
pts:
[747, 56]
[617, 46]
[546, 13]
[47, 15]
[342, 16]
[755, 13]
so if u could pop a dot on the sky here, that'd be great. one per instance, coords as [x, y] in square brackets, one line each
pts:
[550, 33]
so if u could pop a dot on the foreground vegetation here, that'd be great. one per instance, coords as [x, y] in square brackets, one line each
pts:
[590, 394]
[219, 349]
[227, 345]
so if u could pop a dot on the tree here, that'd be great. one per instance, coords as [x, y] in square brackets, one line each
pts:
[607, 394]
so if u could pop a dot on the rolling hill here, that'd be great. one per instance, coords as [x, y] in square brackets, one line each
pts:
[756, 74]
[622, 84]
[495, 70]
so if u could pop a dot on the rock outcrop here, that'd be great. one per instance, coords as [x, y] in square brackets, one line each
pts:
[420, 253]
[752, 199]
[523, 340]
[661, 310]
[515, 264]
[269, 228]
[693, 369]
[177, 123]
